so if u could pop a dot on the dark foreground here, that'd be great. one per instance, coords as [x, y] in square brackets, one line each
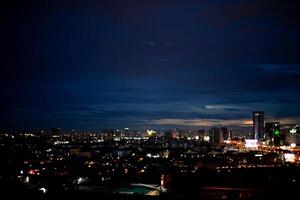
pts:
[266, 183]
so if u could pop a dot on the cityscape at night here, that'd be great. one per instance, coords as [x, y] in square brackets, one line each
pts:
[149, 99]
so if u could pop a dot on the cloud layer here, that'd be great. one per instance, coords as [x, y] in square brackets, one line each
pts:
[93, 64]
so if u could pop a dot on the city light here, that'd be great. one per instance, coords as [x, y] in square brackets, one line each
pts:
[150, 99]
[289, 157]
[293, 145]
[293, 131]
[43, 190]
[206, 138]
[251, 143]
[27, 180]
[102, 161]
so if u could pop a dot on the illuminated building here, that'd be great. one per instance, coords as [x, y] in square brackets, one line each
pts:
[289, 157]
[107, 134]
[251, 143]
[258, 125]
[230, 134]
[276, 134]
[269, 129]
[125, 133]
[215, 136]
[151, 133]
[165, 182]
[273, 134]
[293, 136]
[224, 132]
[293, 131]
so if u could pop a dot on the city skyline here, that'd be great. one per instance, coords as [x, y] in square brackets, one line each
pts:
[248, 128]
[149, 99]
[156, 64]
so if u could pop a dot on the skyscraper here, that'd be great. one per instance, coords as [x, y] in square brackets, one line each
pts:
[276, 134]
[272, 132]
[215, 137]
[294, 135]
[258, 125]
[230, 133]
[269, 129]
[224, 132]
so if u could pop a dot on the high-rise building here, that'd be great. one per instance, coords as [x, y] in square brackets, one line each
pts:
[272, 132]
[258, 125]
[230, 134]
[224, 132]
[294, 136]
[276, 134]
[215, 136]
[269, 130]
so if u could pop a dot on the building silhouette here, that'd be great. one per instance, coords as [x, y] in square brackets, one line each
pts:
[258, 125]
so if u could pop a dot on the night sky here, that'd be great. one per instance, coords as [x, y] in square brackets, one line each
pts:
[148, 63]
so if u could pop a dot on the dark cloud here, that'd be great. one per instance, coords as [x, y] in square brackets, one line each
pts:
[142, 63]
[275, 13]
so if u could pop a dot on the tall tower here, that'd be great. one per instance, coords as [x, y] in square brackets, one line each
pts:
[258, 125]
[224, 132]
[276, 134]
[215, 137]
[272, 132]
